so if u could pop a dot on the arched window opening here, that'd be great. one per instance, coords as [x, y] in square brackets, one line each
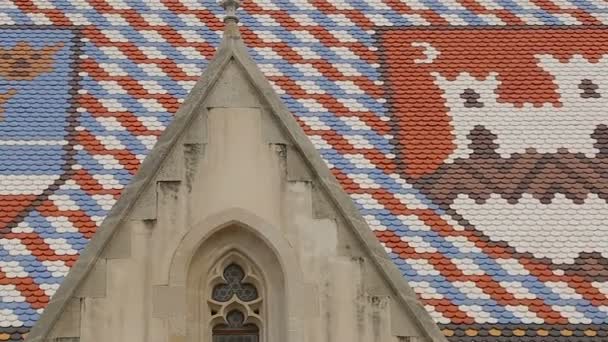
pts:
[235, 290]
[235, 329]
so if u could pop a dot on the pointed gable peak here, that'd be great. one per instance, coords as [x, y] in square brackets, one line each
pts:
[234, 180]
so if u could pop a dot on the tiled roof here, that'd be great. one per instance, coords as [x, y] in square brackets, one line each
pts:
[472, 134]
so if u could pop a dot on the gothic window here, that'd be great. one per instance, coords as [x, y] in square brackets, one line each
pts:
[235, 304]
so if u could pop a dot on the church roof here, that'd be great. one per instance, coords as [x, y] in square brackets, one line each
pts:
[471, 134]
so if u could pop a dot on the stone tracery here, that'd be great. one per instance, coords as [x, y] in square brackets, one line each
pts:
[235, 304]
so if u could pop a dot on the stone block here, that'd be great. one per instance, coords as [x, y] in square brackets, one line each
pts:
[172, 168]
[168, 301]
[402, 323]
[196, 133]
[297, 170]
[120, 244]
[233, 89]
[94, 285]
[271, 131]
[321, 206]
[145, 208]
[68, 325]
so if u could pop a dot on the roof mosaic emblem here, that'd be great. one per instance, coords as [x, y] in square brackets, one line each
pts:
[471, 134]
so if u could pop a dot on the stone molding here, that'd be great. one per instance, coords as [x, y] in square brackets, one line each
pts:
[233, 49]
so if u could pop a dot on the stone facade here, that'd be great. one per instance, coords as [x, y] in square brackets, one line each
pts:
[234, 180]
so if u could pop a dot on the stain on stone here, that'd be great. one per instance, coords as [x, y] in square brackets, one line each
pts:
[192, 155]
[361, 308]
[328, 316]
[376, 319]
[169, 188]
[281, 151]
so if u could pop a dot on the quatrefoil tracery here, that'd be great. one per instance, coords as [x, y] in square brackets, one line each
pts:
[233, 276]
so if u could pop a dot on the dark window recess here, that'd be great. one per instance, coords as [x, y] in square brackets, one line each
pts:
[589, 89]
[234, 330]
[234, 275]
[471, 98]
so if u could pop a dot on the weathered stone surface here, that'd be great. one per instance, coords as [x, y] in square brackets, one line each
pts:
[296, 167]
[120, 247]
[67, 328]
[168, 300]
[145, 209]
[94, 286]
[257, 192]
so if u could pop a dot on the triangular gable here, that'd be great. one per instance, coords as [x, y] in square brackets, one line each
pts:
[231, 71]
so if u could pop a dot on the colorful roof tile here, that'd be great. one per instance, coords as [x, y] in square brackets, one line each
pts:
[472, 134]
